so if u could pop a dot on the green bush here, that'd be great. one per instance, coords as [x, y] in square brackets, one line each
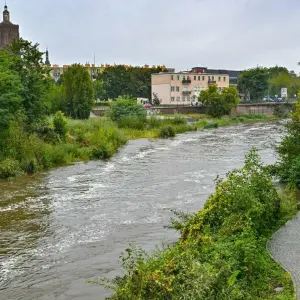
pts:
[134, 122]
[178, 120]
[167, 132]
[124, 108]
[211, 125]
[222, 250]
[9, 168]
[60, 124]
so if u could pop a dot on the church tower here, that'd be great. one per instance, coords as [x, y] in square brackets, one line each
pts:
[8, 31]
[47, 61]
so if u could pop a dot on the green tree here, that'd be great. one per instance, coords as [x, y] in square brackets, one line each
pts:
[78, 92]
[289, 150]
[27, 62]
[218, 103]
[10, 90]
[125, 108]
[253, 83]
[120, 80]
[60, 124]
[99, 90]
[284, 80]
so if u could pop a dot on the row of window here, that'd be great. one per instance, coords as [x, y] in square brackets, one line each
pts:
[174, 88]
[183, 99]
[199, 78]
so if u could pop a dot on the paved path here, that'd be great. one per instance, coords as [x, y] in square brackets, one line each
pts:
[285, 249]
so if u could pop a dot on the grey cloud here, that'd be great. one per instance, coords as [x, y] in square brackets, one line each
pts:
[234, 34]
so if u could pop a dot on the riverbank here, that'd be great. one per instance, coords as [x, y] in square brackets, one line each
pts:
[96, 138]
[221, 253]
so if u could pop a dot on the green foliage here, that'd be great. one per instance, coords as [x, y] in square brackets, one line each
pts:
[218, 103]
[9, 168]
[78, 92]
[289, 151]
[10, 90]
[253, 83]
[98, 90]
[60, 124]
[119, 80]
[167, 132]
[211, 125]
[222, 251]
[124, 108]
[27, 62]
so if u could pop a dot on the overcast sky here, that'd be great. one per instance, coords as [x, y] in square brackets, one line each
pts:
[232, 34]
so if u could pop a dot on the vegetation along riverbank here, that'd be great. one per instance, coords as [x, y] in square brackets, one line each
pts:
[221, 253]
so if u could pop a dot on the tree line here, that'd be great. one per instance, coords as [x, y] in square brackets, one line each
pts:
[256, 83]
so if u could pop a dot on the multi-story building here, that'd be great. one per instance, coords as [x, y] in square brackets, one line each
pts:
[184, 88]
[8, 31]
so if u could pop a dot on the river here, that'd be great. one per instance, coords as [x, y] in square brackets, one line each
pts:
[69, 225]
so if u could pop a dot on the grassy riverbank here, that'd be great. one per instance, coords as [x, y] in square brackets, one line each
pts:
[222, 252]
[97, 138]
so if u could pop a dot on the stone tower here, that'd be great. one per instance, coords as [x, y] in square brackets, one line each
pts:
[8, 31]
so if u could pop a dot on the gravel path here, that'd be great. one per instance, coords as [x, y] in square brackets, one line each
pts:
[285, 249]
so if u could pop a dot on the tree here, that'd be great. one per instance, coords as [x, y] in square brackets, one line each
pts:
[78, 92]
[98, 90]
[253, 83]
[122, 80]
[217, 103]
[284, 80]
[10, 91]
[27, 62]
[125, 108]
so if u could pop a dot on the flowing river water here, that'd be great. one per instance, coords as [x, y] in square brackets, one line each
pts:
[64, 227]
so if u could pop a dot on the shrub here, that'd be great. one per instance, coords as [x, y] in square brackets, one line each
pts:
[124, 108]
[167, 132]
[211, 125]
[217, 103]
[135, 122]
[222, 251]
[9, 168]
[178, 120]
[60, 124]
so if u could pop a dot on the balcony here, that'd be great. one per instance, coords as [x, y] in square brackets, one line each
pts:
[186, 93]
[212, 82]
[186, 80]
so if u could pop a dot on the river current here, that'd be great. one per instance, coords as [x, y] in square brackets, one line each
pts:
[61, 228]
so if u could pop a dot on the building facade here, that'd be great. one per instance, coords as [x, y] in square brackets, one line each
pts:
[184, 88]
[8, 31]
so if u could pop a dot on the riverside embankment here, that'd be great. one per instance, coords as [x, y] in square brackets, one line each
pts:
[61, 228]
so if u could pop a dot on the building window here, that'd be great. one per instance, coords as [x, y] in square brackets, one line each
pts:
[199, 78]
[178, 77]
[208, 77]
[172, 99]
[224, 78]
[213, 78]
[177, 88]
[189, 99]
[172, 88]
[183, 78]
[195, 77]
[203, 78]
[178, 99]
[219, 78]
[172, 77]
[183, 98]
